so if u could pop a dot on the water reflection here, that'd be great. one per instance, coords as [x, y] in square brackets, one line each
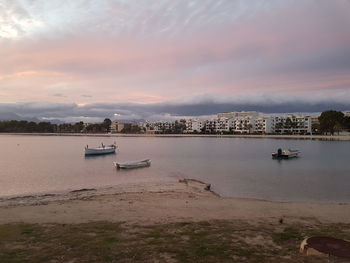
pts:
[235, 167]
[99, 156]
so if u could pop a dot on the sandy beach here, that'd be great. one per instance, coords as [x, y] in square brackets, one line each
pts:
[162, 222]
[160, 203]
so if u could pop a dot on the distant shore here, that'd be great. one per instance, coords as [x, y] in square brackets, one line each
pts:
[254, 136]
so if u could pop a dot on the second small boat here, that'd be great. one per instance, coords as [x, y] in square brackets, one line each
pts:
[285, 154]
[132, 165]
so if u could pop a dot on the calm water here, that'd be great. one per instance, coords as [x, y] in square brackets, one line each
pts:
[235, 167]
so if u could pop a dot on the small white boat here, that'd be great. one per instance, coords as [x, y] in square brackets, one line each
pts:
[103, 149]
[134, 164]
[285, 153]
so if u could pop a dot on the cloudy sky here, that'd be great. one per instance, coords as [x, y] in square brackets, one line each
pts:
[163, 59]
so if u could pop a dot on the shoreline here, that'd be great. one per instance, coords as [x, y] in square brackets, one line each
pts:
[161, 186]
[252, 136]
[156, 203]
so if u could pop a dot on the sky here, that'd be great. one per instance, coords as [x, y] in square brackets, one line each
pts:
[167, 59]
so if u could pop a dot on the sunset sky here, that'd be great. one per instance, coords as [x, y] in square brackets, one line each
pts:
[164, 59]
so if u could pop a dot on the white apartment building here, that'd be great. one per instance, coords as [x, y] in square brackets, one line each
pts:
[163, 126]
[222, 125]
[211, 126]
[292, 124]
[194, 125]
[242, 122]
[244, 125]
[247, 122]
[263, 124]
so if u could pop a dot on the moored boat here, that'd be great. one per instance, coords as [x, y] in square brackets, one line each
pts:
[103, 149]
[288, 153]
[133, 164]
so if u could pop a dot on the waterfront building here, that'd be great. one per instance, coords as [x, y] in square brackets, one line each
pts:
[240, 122]
[222, 125]
[157, 127]
[211, 126]
[194, 126]
[116, 127]
[244, 125]
[263, 124]
[164, 126]
[292, 124]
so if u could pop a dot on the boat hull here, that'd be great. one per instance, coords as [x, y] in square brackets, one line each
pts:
[100, 150]
[275, 156]
[133, 165]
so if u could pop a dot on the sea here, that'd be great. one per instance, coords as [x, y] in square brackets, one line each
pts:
[235, 167]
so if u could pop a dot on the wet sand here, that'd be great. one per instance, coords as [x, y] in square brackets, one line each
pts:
[159, 203]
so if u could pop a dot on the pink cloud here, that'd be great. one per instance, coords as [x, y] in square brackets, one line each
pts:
[293, 47]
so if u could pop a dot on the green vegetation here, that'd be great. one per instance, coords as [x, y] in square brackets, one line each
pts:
[332, 121]
[131, 128]
[213, 241]
[47, 127]
[25, 126]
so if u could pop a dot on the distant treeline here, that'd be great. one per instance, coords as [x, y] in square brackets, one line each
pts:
[25, 126]
[47, 127]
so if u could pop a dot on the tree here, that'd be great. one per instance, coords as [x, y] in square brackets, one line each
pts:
[279, 126]
[78, 126]
[330, 121]
[315, 128]
[179, 126]
[45, 127]
[131, 128]
[338, 127]
[346, 122]
[249, 127]
[107, 124]
[288, 123]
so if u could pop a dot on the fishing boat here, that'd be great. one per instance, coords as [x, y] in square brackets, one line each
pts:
[103, 149]
[285, 154]
[133, 164]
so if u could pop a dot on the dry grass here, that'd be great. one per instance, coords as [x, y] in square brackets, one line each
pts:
[213, 241]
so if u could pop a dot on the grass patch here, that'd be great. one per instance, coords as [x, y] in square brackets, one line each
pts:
[213, 241]
[289, 233]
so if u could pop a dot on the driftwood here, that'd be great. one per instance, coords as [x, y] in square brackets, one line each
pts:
[83, 190]
[207, 187]
[325, 246]
[186, 181]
